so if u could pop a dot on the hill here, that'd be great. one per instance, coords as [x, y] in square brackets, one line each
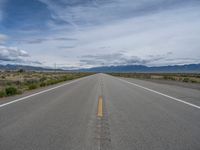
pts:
[27, 68]
[194, 68]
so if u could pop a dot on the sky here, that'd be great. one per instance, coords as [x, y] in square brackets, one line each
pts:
[92, 33]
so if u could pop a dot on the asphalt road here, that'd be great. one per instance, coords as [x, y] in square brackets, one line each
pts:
[133, 114]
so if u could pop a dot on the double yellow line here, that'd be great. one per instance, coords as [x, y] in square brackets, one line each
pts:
[100, 107]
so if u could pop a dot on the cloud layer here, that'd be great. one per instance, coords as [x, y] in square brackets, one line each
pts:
[82, 33]
[115, 59]
[15, 55]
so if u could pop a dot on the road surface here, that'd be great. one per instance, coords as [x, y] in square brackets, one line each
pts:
[101, 112]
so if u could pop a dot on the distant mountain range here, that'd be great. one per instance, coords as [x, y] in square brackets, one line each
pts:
[190, 68]
[27, 68]
[195, 68]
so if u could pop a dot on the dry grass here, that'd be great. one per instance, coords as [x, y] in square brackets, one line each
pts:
[181, 77]
[14, 82]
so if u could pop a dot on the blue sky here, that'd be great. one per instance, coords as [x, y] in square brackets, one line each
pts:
[89, 33]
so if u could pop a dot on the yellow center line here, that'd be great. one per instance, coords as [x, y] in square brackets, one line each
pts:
[100, 107]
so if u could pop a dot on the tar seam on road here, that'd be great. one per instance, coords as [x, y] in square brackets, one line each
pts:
[100, 107]
[44, 91]
[176, 99]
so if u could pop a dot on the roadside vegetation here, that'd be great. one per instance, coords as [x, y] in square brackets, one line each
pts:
[17, 82]
[181, 77]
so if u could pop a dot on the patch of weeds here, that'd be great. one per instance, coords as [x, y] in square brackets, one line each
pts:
[2, 93]
[32, 86]
[186, 80]
[193, 81]
[43, 84]
[11, 91]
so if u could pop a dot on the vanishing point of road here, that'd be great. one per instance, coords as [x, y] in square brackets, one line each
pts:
[101, 112]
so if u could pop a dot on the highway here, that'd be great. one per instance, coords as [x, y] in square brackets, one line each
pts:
[102, 112]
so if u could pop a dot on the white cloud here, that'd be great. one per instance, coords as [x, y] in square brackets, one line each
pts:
[138, 28]
[115, 59]
[15, 55]
[12, 53]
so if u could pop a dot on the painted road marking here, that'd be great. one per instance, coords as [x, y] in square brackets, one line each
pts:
[100, 107]
[44, 91]
[176, 99]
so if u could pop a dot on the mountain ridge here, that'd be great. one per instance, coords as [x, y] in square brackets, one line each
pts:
[188, 68]
[142, 68]
[11, 67]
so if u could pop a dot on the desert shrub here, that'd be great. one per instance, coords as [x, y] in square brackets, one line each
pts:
[8, 83]
[43, 79]
[186, 80]
[66, 78]
[3, 77]
[51, 81]
[27, 76]
[180, 79]
[31, 81]
[21, 70]
[19, 91]
[43, 84]
[32, 86]
[17, 83]
[193, 81]
[166, 77]
[11, 90]
[174, 78]
[70, 78]
[2, 93]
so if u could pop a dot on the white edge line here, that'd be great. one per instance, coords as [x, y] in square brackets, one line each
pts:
[20, 99]
[176, 99]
